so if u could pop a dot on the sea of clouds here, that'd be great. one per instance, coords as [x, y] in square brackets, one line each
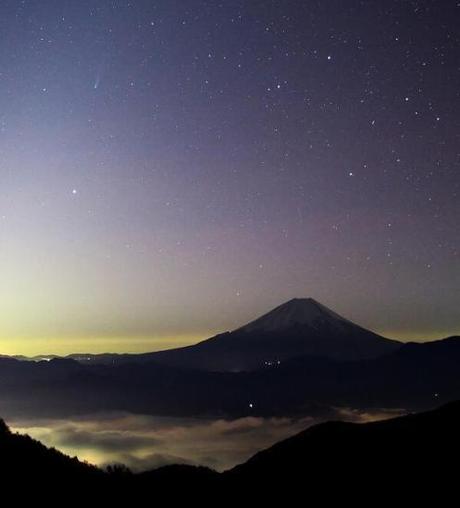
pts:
[146, 442]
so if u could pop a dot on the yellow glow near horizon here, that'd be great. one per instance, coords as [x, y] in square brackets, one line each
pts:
[32, 346]
[65, 346]
[417, 336]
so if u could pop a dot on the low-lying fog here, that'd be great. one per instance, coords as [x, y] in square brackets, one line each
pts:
[145, 442]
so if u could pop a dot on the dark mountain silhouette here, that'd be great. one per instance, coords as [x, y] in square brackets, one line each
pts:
[298, 327]
[27, 464]
[407, 456]
[298, 348]
[414, 377]
[22, 457]
[381, 459]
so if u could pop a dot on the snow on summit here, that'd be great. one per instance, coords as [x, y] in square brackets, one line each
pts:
[298, 311]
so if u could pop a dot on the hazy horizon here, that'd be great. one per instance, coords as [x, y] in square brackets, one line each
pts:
[134, 344]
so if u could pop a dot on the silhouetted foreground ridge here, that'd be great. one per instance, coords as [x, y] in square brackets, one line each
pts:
[410, 456]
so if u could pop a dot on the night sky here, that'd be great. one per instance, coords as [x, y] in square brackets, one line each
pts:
[170, 169]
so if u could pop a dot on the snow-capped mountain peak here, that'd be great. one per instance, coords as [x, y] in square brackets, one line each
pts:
[298, 311]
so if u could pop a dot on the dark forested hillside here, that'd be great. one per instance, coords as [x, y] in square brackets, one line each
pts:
[403, 456]
[414, 377]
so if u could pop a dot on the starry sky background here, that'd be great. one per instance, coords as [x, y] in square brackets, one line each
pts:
[170, 169]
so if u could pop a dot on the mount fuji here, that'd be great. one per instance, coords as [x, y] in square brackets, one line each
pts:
[299, 327]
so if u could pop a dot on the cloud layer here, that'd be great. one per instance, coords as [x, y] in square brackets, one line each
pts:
[146, 442]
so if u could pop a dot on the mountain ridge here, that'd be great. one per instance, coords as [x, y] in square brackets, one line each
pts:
[297, 327]
[414, 377]
[390, 457]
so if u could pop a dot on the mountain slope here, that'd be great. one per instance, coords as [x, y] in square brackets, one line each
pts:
[386, 456]
[28, 459]
[296, 328]
[28, 464]
[407, 456]
[414, 377]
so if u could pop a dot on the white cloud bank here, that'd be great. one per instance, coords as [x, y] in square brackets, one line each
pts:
[145, 442]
